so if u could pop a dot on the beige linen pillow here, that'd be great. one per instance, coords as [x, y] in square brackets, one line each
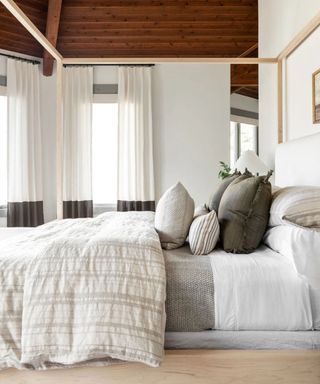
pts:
[174, 214]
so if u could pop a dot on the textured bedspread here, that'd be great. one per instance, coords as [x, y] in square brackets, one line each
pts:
[232, 292]
[86, 290]
[190, 304]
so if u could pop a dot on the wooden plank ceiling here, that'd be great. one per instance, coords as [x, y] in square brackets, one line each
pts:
[245, 78]
[143, 28]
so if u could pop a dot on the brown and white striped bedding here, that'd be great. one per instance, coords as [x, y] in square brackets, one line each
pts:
[296, 205]
[85, 290]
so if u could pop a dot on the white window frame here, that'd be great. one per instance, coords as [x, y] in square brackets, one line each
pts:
[104, 99]
[238, 123]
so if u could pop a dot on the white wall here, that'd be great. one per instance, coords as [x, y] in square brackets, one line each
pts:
[191, 111]
[279, 22]
[245, 103]
[105, 75]
[300, 66]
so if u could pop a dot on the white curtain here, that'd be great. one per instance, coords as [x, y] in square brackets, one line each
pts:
[77, 158]
[135, 152]
[25, 201]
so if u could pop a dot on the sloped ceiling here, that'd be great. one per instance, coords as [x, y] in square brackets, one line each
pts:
[14, 37]
[144, 28]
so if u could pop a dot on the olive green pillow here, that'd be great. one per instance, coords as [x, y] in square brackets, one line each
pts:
[215, 198]
[244, 213]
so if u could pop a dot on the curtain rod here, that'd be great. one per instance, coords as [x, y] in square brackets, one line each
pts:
[20, 58]
[108, 65]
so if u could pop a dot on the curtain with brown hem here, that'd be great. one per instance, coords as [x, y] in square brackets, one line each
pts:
[135, 151]
[77, 152]
[25, 202]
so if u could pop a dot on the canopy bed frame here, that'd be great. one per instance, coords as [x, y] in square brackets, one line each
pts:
[279, 61]
[187, 365]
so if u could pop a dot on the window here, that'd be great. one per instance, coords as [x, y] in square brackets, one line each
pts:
[3, 149]
[104, 152]
[243, 137]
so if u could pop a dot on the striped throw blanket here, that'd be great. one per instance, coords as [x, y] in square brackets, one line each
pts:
[83, 291]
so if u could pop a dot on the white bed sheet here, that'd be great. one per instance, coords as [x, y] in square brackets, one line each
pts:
[259, 291]
[302, 247]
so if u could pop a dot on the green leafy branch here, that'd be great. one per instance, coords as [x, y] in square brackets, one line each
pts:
[225, 171]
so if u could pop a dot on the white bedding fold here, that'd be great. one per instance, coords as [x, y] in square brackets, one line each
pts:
[302, 247]
[259, 291]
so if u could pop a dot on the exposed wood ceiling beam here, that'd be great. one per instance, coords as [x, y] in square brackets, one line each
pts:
[249, 50]
[53, 20]
[244, 78]
[30, 27]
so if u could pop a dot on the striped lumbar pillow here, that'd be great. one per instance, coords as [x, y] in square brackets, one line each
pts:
[204, 233]
[297, 205]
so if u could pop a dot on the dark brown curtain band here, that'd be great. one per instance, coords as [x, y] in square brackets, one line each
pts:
[125, 205]
[25, 214]
[77, 209]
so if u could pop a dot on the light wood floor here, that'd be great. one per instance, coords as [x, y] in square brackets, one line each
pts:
[190, 366]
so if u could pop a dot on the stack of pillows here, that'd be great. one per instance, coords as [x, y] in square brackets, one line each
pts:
[237, 214]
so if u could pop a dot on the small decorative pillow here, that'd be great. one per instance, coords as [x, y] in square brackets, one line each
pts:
[204, 233]
[244, 213]
[174, 216]
[297, 205]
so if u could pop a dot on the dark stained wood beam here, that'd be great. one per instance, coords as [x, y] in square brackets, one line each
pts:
[250, 50]
[52, 29]
[245, 78]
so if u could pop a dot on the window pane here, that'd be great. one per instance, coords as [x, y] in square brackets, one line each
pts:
[248, 138]
[3, 150]
[104, 153]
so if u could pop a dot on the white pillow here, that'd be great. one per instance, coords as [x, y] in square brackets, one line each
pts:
[173, 216]
[296, 205]
[204, 233]
[302, 246]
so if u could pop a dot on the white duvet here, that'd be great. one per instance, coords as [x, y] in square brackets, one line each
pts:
[259, 291]
[301, 247]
